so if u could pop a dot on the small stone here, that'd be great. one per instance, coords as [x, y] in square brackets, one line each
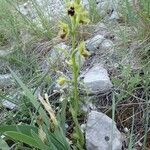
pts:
[59, 52]
[94, 43]
[88, 106]
[83, 127]
[6, 80]
[96, 80]
[107, 45]
[44, 66]
[4, 53]
[99, 133]
[9, 105]
[114, 16]
[66, 126]
[126, 130]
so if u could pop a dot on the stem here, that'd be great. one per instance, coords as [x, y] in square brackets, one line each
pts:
[75, 72]
[75, 101]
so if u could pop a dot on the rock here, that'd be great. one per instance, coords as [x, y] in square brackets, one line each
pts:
[101, 28]
[4, 53]
[96, 80]
[107, 45]
[56, 57]
[3, 66]
[44, 66]
[114, 15]
[99, 133]
[6, 80]
[88, 106]
[56, 8]
[109, 9]
[27, 10]
[59, 52]
[12, 100]
[83, 127]
[94, 43]
[9, 105]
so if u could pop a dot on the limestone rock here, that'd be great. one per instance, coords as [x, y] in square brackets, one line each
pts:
[9, 105]
[94, 43]
[96, 80]
[59, 51]
[99, 133]
[6, 80]
[4, 53]
[107, 45]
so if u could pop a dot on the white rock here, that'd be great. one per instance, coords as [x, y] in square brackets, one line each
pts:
[59, 51]
[6, 80]
[107, 45]
[99, 133]
[103, 7]
[96, 80]
[88, 106]
[44, 66]
[54, 8]
[94, 43]
[4, 53]
[114, 15]
[9, 104]
[126, 130]
[112, 6]
[83, 127]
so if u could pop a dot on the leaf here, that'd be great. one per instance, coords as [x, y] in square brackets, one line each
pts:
[25, 129]
[22, 138]
[3, 145]
[32, 99]
[126, 72]
[59, 138]
[41, 144]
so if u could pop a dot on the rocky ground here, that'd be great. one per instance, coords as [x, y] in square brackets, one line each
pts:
[105, 44]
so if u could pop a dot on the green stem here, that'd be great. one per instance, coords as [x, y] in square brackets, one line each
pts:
[75, 100]
[74, 105]
[75, 72]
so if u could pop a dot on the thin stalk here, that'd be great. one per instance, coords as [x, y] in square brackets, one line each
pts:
[75, 72]
[75, 101]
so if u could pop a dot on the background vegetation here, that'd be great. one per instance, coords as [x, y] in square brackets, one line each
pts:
[30, 123]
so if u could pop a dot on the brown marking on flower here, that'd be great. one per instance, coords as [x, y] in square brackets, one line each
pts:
[71, 11]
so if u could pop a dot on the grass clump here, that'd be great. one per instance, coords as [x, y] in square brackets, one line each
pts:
[41, 120]
[46, 129]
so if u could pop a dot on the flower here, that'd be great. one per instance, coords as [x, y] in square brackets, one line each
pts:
[64, 30]
[61, 81]
[76, 10]
[82, 50]
[69, 62]
[71, 11]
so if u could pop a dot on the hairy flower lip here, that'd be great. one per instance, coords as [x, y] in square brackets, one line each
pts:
[64, 30]
[61, 81]
[71, 11]
[83, 51]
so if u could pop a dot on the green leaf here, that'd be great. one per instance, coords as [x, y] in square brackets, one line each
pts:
[60, 140]
[32, 98]
[3, 145]
[22, 138]
[25, 129]
[41, 144]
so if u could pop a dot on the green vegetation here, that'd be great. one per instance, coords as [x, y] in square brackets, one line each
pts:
[40, 122]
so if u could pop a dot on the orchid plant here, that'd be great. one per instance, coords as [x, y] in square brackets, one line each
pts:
[78, 16]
